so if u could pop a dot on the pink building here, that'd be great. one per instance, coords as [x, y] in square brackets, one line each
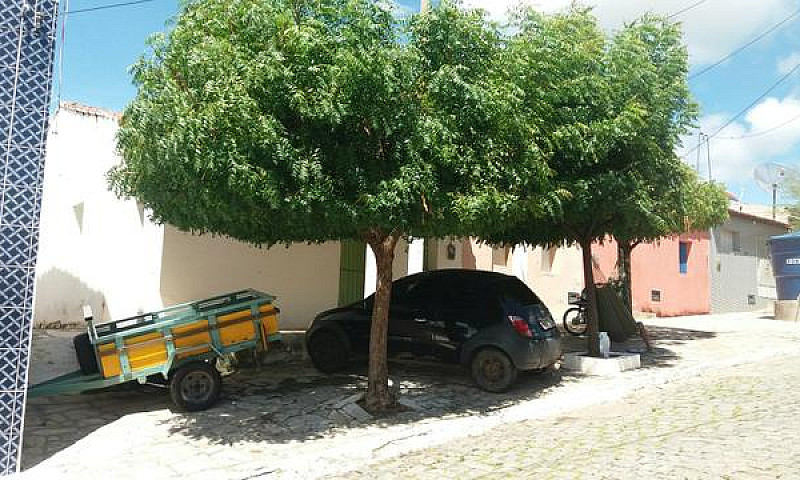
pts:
[670, 277]
[725, 269]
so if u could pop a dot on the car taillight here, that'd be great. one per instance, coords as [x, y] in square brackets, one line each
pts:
[520, 325]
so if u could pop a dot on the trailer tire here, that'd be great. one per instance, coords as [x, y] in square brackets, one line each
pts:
[84, 350]
[195, 386]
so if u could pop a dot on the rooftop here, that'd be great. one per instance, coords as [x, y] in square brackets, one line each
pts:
[89, 111]
[761, 213]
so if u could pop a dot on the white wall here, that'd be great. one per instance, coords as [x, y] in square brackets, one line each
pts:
[122, 264]
[107, 255]
[399, 266]
[416, 254]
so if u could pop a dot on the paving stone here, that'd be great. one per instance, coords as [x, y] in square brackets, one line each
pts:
[280, 417]
[685, 442]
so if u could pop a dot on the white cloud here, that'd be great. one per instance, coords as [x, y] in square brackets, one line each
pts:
[498, 8]
[786, 64]
[711, 30]
[733, 160]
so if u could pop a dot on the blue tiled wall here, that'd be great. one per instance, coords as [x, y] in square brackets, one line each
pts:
[27, 32]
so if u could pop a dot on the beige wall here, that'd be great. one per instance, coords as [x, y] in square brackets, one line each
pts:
[564, 275]
[441, 261]
[305, 278]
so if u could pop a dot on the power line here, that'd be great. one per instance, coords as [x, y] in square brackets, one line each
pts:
[751, 42]
[106, 7]
[744, 110]
[684, 10]
[763, 132]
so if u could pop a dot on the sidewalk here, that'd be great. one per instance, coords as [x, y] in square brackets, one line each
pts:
[280, 421]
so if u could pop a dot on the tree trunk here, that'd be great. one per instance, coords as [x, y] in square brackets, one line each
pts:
[592, 321]
[624, 250]
[378, 396]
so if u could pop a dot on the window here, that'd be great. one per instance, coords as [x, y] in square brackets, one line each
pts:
[736, 242]
[500, 256]
[516, 291]
[655, 295]
[731, 241]
[683, 257]
[411, 292]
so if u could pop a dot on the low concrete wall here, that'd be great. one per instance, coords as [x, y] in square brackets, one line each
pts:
[786, 310]
[734, 284]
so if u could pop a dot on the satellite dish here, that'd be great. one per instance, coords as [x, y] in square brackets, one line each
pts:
[772, 177]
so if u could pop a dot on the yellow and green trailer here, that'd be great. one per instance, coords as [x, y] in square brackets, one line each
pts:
[179, 345]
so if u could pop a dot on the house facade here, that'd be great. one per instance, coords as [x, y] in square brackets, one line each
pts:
[669, 277]
[725, 269]
[741, 272]
[102, 251]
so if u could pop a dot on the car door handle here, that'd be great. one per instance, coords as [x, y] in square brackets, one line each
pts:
[420, 320]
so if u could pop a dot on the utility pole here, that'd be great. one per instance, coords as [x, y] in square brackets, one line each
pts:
[699, 149]
[425, 5]
[708, 156]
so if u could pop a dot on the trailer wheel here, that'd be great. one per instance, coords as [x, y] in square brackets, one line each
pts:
[195, 386]
[85, 353]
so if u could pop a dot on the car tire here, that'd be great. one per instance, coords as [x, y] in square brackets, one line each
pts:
[84, 350]
[195, 386]
[493, 371]
[328, 351]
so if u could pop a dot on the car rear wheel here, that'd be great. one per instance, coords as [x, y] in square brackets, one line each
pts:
[328, 351]
[493, 371]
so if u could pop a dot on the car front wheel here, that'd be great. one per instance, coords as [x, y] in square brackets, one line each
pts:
[493, 371]
[328, 351]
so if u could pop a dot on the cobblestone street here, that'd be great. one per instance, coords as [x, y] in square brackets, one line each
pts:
[740, 423]
[726, 377]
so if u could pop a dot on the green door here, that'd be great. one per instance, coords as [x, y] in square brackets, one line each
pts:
[351, 272]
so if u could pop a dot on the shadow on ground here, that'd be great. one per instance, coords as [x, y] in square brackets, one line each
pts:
[664, 340]
[291, 401]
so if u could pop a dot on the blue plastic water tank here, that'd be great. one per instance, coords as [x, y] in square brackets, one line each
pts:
[786, 264]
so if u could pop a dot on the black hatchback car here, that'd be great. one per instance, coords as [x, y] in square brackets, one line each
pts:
[489, 322]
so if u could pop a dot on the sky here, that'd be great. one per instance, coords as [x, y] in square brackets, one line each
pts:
[99, 47]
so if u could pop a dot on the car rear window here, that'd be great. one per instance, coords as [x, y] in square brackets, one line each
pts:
[517, 292]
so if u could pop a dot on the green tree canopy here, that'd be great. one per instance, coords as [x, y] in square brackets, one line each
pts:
[671, 200]
[279, 121]
[679, 203]
[608, 112]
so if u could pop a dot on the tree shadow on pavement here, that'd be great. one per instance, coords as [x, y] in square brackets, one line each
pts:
[307, 404]
[291, 401]
[664, 339]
